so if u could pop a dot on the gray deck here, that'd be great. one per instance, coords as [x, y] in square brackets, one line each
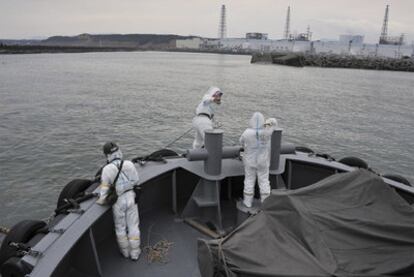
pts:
[182, 258]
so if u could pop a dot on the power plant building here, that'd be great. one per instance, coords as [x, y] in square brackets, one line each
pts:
[256, 36]
[191, 43]
[348, 44]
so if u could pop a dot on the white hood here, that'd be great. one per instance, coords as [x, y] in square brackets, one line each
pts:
[116, 155]
[206, 105]
[257, 121]
[211, 91]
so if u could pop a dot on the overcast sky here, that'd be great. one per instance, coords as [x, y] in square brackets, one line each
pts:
[327, 18]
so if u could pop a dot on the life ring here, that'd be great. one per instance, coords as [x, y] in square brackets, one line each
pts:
[73, 189]
[304, 149]
[397, 178]
[22, 232]
[354, 162]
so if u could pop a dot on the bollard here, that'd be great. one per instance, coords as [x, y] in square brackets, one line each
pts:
[213, 143]
[204, 203]
[213, 153]
[275, 149]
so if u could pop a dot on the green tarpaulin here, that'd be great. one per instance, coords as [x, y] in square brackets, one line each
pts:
[350, 224]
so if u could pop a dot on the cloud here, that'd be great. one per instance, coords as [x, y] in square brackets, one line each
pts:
[327, 18]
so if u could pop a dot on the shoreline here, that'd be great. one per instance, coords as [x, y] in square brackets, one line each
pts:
[40, 49]
[405, 64]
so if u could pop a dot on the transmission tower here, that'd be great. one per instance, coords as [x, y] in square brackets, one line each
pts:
[222, 26]
[287, 25]
[309, 33]
[384, 30]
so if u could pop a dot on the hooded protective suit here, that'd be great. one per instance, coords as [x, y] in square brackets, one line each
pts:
[271, 123]
[256, 159]
[125, 210]
[204, 116]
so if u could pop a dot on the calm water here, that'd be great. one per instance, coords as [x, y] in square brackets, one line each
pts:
[56, 111]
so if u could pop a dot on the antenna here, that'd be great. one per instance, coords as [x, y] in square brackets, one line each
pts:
[222, 26]
[287, 25]
[309, 33]
[384, 30]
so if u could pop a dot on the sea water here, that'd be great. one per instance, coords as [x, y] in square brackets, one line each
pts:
[57, 110]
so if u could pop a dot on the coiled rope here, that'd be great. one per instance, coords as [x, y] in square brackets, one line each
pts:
[159, 251]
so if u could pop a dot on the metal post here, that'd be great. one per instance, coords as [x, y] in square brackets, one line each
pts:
[174, 191]
[275, 149]
[214, 145]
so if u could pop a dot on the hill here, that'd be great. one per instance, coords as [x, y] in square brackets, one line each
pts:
[137, 41]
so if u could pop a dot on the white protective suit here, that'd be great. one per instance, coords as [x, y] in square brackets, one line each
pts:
[256, 159]
[271, 123]
[204, 116]
[125, 210]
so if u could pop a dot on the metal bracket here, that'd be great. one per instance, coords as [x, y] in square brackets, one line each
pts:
[57, 231]
[34, 253]
[24, 249]
[73, 202]
[76, 211]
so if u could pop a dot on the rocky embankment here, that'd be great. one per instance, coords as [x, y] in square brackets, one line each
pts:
[336, 61]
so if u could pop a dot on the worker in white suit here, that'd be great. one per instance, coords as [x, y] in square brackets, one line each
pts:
[256, 143]
[125, 210]
[205, 114]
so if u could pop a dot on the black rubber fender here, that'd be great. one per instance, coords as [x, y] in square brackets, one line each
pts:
[72, 190]
[354, 162]
[157, 156]
[304, 149]
[397, 178]
[164, 153]
[14, 267]
[21, 232]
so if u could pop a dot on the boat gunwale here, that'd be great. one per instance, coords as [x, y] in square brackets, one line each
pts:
[55, 246]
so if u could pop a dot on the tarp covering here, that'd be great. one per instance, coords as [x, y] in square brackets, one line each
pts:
[349, 224]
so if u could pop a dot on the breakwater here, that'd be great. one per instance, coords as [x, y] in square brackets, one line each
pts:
[336, 61]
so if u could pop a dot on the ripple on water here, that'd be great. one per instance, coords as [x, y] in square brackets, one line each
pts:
[56, 111]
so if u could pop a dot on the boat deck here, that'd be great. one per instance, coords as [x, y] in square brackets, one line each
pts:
[156, 226]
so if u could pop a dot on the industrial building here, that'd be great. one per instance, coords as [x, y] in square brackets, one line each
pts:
[191, 43]
[256, 36]
[385, 38]
[348, 44]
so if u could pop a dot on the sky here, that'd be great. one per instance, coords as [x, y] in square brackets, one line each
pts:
[26, 19]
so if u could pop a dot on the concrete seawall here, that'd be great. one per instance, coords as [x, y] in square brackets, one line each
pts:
[336, 61]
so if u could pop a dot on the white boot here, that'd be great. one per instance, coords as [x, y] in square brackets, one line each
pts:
[264, 196]
[135, 253]
[247, 200]
[124, 247]
[135, 248]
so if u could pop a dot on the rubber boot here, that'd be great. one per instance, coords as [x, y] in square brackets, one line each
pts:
[124, 246]
[134, 242]
[247, 200]
[264, 196]
[135, 253]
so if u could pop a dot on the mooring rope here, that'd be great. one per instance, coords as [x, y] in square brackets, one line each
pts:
[159, 251]
[177, 139]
